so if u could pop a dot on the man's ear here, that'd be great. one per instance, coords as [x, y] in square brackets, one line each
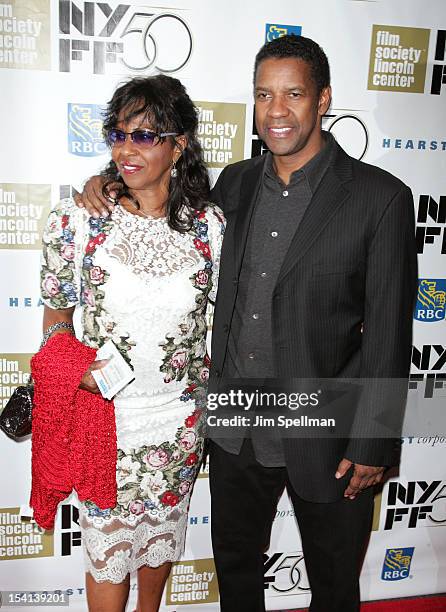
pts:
[324, 101]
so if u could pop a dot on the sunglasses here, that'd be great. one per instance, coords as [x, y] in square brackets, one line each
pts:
[140, 138]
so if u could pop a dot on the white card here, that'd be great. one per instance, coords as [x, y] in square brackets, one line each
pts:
[26, 512]
[115, 374]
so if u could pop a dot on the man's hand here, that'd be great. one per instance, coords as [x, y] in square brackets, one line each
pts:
[88, 383]
[93, 199]
[363, 476]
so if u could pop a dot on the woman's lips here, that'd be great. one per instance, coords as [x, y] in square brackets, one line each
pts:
[129, 168]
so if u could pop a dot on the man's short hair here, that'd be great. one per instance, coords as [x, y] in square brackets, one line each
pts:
[301, 48]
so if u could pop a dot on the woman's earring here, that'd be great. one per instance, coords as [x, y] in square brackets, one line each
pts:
[173, 170]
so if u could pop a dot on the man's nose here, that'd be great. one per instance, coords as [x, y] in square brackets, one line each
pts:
[278, 107]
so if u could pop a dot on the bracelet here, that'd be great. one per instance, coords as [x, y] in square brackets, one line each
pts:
[52, 328]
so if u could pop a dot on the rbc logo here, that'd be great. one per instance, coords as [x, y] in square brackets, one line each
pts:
[431, 300]
[274, 30]
[85, 130]
[396, 564]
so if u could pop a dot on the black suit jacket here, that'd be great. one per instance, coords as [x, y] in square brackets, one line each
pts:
[351, 266]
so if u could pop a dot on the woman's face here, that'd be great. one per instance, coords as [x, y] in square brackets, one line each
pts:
[144, 168]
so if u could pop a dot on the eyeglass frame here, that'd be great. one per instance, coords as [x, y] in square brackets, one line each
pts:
[160, 136]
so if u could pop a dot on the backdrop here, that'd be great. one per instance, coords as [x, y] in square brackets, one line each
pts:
[59, 64]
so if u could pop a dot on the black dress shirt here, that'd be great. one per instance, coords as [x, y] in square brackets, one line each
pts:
[278, 212]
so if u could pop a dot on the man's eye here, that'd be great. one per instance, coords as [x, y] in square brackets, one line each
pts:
[294, 94]
[262, 95]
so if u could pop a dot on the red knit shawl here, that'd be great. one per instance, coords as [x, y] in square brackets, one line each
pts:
[73, 432]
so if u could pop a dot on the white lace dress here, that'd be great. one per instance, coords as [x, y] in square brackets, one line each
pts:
[146, 287]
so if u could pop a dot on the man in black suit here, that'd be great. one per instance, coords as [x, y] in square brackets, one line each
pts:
[317, 280]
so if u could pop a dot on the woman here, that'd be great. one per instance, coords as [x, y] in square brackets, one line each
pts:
[143, 278]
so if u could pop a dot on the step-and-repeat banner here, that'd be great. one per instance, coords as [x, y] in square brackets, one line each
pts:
[59, 64]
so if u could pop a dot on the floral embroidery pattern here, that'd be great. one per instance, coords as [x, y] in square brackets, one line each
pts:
[57, 278]
[155, 478]
[186, 353]
[97, 324]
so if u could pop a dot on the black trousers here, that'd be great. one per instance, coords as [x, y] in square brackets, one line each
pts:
[244, 497]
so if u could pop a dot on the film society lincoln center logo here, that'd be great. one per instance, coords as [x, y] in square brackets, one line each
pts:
[14, 371]
[25, 35]
[221, 132]
[398, 59]
[23, 212]
[22, 539]
[192, 582]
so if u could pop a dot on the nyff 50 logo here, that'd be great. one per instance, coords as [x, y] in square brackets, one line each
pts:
[431, 223]
[285, 574]
[69, 525]
[439, 70]
[114, 41]
[414, 502]
[430, 360]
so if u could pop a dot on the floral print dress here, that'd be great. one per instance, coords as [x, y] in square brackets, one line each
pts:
[146, 287]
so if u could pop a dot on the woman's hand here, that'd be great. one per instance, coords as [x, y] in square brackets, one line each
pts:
[92, 198]
[88, 383]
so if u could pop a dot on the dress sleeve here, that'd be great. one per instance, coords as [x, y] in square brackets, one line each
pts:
[60, 262]
[216, 224]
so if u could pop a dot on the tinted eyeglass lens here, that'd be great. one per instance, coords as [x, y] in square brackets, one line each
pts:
[115, 137]
[144, 138]
[141, 138]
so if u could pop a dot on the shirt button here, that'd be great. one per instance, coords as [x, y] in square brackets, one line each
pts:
[274, 234]
[285, 193]
[251, 355]
[263, 274]
[255, 316]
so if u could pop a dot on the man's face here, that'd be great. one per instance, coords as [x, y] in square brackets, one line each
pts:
[288, 108]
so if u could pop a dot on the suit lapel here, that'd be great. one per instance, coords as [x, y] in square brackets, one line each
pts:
[249, 190]
[327, 200]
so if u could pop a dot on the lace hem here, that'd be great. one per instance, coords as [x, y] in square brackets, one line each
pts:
[119, 565]
[111, 553]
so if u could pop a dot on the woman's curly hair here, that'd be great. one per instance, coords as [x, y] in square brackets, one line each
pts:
[164, 101]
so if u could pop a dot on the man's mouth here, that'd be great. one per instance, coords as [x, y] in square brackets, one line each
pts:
[279, 132]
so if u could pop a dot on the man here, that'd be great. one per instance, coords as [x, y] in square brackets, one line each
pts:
[317, 280]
